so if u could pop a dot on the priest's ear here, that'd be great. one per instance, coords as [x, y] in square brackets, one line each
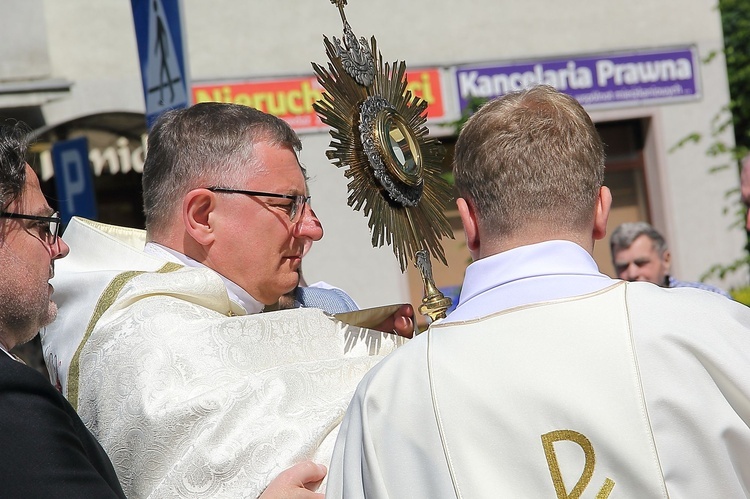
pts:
[468, 214]
[601, 213]
[197, 208]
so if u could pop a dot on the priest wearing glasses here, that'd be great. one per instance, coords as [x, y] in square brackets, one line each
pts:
[160, 344]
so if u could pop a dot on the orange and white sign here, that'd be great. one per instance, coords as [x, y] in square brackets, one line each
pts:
[292, 98]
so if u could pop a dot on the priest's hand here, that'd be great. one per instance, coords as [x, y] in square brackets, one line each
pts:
[297, 482]
[400, 323]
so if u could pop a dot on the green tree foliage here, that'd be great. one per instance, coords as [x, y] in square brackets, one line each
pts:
[472, 107]
[735, 19]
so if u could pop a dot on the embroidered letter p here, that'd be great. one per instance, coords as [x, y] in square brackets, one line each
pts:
[548, 441]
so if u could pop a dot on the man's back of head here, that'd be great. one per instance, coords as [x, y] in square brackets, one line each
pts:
[544, 349]
[531, 160]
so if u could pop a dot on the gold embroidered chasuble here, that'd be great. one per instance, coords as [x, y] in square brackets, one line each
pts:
[189, 397]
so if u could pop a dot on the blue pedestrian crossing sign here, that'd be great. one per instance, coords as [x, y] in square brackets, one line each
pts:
[158, 29]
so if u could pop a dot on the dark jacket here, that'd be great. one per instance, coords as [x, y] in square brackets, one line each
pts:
[45, 449]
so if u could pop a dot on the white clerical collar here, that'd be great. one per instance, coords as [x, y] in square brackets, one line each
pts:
[544, 271]
[236, 293]
[542, 259]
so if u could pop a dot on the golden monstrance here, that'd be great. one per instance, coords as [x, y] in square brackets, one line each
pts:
[379, 137]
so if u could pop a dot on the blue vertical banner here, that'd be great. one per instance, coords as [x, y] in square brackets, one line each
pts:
[74, 179]
[161, 50]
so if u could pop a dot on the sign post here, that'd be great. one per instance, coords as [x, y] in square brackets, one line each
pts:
[158, 29]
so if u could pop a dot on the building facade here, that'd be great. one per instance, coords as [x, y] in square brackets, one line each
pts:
[71, 69]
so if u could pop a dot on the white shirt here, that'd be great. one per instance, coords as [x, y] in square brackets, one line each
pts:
[7, 352]
[236, 293]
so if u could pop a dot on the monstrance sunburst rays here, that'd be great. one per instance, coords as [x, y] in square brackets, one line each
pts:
[379, 136]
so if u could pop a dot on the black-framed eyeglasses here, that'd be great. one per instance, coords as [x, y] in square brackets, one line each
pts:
[295, 209]
[49, 229]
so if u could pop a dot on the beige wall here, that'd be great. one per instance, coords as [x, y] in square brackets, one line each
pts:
[93, 45]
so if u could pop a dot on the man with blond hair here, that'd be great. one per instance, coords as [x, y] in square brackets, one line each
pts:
[551, 379]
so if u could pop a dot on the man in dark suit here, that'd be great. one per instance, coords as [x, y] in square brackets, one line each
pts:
[46, 449]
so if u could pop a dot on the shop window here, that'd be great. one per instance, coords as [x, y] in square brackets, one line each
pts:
[116, 153]
[625, 176]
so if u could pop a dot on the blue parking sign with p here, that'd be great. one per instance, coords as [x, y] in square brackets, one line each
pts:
[74, 179]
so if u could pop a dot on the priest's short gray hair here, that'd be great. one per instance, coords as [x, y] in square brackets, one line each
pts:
[207, 144]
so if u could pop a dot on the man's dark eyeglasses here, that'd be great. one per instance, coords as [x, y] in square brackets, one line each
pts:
[295, 208]
[49, 231]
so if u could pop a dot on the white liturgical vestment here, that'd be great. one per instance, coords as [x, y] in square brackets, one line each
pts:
[625, 390]
[188, 396]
